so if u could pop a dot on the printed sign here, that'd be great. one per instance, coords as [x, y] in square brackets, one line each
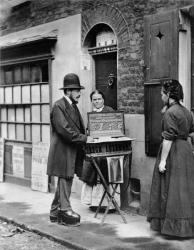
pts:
[18, 161]
[106, 124]
[85, 62]
[39, 178]
[1, 159]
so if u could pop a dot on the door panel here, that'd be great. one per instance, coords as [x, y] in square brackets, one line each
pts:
[105, 65]
[159, 53]
[161, 46]
[153, 105]
[192, 64]
[161, 62]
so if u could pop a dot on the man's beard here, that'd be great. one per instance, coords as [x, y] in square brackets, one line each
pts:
[74, 100]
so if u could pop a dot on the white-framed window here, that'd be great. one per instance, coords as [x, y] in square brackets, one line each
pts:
[24, 101]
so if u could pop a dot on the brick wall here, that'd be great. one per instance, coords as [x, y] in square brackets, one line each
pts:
[126, 18]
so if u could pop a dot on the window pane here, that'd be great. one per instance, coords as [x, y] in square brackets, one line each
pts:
[35, 92]
[2, 80]
[45, 113]
[4, 130]
[17, 74]
[8, 95]
[3, 114]
[35, 113]
[17, 94]
[44, 70]
[25, 94]
[35, 73]
[27, 114]
[11, 115]
[27, 133]
[46, 133]
[35, 133]
[1, 95]
[11, 131]
[26, 74]
[19, 115]
[45, 93]
[20, 132]
[9, 76]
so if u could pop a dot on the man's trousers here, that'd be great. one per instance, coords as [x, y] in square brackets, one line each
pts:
[62, 195]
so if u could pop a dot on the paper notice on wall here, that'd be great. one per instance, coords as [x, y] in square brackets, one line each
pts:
[85, 62]
[18, 161]
[1, 159]
[39, 178]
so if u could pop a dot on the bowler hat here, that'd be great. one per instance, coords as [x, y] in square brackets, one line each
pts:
[71, 81]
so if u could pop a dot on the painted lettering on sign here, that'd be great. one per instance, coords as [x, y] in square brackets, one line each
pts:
[1, 159]
[18, 161]
[39, 178]
[106, 124]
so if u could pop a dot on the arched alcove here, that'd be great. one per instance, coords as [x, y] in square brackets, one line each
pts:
[100, 44]
[90, 40]
[106, 14]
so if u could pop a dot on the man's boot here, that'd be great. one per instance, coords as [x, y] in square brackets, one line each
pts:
[68, 218]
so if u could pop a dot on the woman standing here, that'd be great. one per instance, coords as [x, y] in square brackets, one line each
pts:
[171, 210]
[91, 190]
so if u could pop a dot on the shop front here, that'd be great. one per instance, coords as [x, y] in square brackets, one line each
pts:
[32, 71]
[121, 48]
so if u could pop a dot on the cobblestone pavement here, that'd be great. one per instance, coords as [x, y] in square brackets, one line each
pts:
[15, 238]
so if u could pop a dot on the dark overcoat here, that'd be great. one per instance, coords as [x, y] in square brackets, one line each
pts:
[68, 137]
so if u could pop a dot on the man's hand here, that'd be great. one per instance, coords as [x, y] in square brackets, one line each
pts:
[90, 139]
[162, 166]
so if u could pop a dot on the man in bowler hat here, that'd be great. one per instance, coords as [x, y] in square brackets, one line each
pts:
[66, 149]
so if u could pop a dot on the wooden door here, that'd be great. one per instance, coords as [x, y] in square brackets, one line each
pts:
[192, 65]
[106, 77]
[161, 62]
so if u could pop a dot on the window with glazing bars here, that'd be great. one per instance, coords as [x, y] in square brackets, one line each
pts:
[24, 102]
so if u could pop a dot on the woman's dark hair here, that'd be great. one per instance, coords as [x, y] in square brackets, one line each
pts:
[174, 89]
[96, 92]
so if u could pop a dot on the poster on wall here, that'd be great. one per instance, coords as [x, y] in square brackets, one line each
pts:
[18, 161]
[1, 159]
[85, 62]
[39, 178]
